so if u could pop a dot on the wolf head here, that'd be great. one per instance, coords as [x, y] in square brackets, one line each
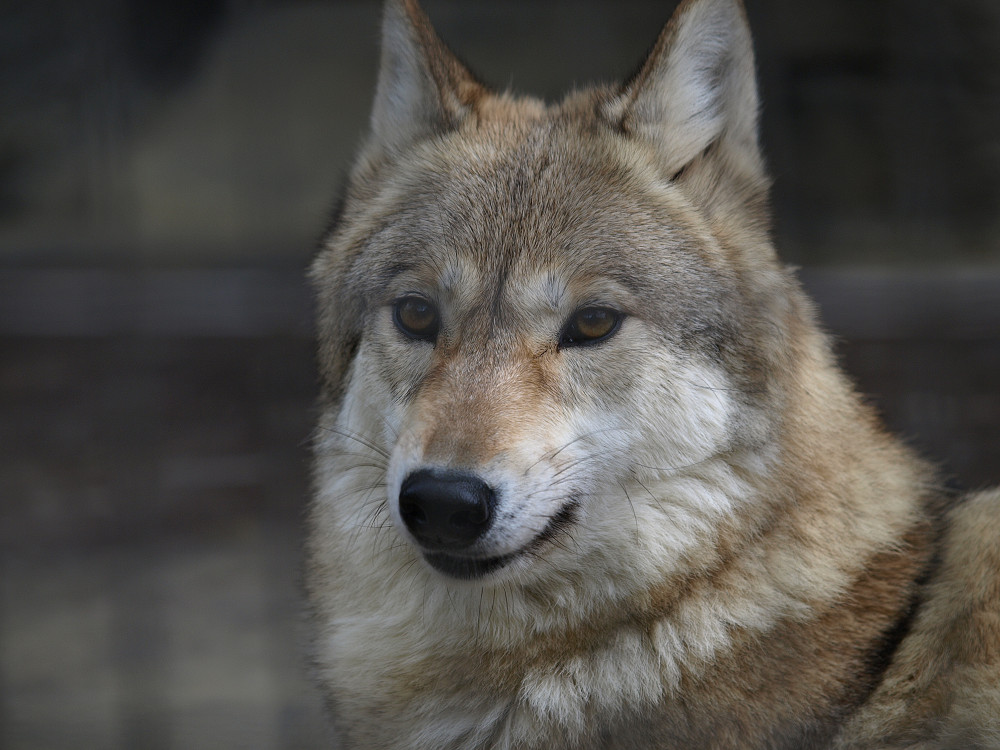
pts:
[546, 329]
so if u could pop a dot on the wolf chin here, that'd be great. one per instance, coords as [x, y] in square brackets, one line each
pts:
[586, 472]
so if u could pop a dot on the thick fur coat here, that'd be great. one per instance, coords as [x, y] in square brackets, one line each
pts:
[587, 475]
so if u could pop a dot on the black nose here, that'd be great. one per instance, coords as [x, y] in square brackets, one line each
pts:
[446, 510]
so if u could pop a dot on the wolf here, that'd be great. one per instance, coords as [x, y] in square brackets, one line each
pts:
[586, 472]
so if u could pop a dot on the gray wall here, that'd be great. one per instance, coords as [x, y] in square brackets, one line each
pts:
[151, 133]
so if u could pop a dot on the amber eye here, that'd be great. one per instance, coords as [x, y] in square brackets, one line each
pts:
[416, 317]
[589, 325]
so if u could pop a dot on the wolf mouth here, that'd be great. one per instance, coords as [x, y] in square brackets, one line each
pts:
[467, 568]
[471, 568]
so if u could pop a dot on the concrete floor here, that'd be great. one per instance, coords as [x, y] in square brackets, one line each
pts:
[152, 493]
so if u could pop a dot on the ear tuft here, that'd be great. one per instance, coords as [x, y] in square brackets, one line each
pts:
[696, 89]
[422, 87]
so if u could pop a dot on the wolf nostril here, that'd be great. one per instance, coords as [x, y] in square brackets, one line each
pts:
[446, 509]
[412, 512]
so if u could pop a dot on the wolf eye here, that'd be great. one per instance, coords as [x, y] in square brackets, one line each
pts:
[589, 325]
[416, 317]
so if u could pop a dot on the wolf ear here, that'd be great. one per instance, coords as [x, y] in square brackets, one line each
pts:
[696, 92]
[422, 87]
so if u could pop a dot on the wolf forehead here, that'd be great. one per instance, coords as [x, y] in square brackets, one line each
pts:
[510, 198]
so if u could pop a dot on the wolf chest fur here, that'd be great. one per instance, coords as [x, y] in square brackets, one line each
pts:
[586, 473]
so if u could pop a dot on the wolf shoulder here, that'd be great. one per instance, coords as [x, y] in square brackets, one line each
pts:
[942, 690]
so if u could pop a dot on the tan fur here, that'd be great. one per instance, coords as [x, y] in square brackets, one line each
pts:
[706, 538]
[942, 690]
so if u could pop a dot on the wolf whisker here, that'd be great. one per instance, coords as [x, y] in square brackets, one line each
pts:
[402, 568]
[632, 506]
[676, 469]
[721, 389]
[358, 438]
[368, 522]
[549, 455]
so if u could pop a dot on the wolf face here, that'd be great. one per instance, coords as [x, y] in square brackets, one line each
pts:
[545, 318]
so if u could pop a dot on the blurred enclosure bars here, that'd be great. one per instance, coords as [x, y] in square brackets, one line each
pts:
[165, 170]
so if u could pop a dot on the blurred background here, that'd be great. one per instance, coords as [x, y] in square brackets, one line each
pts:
[165, 171]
